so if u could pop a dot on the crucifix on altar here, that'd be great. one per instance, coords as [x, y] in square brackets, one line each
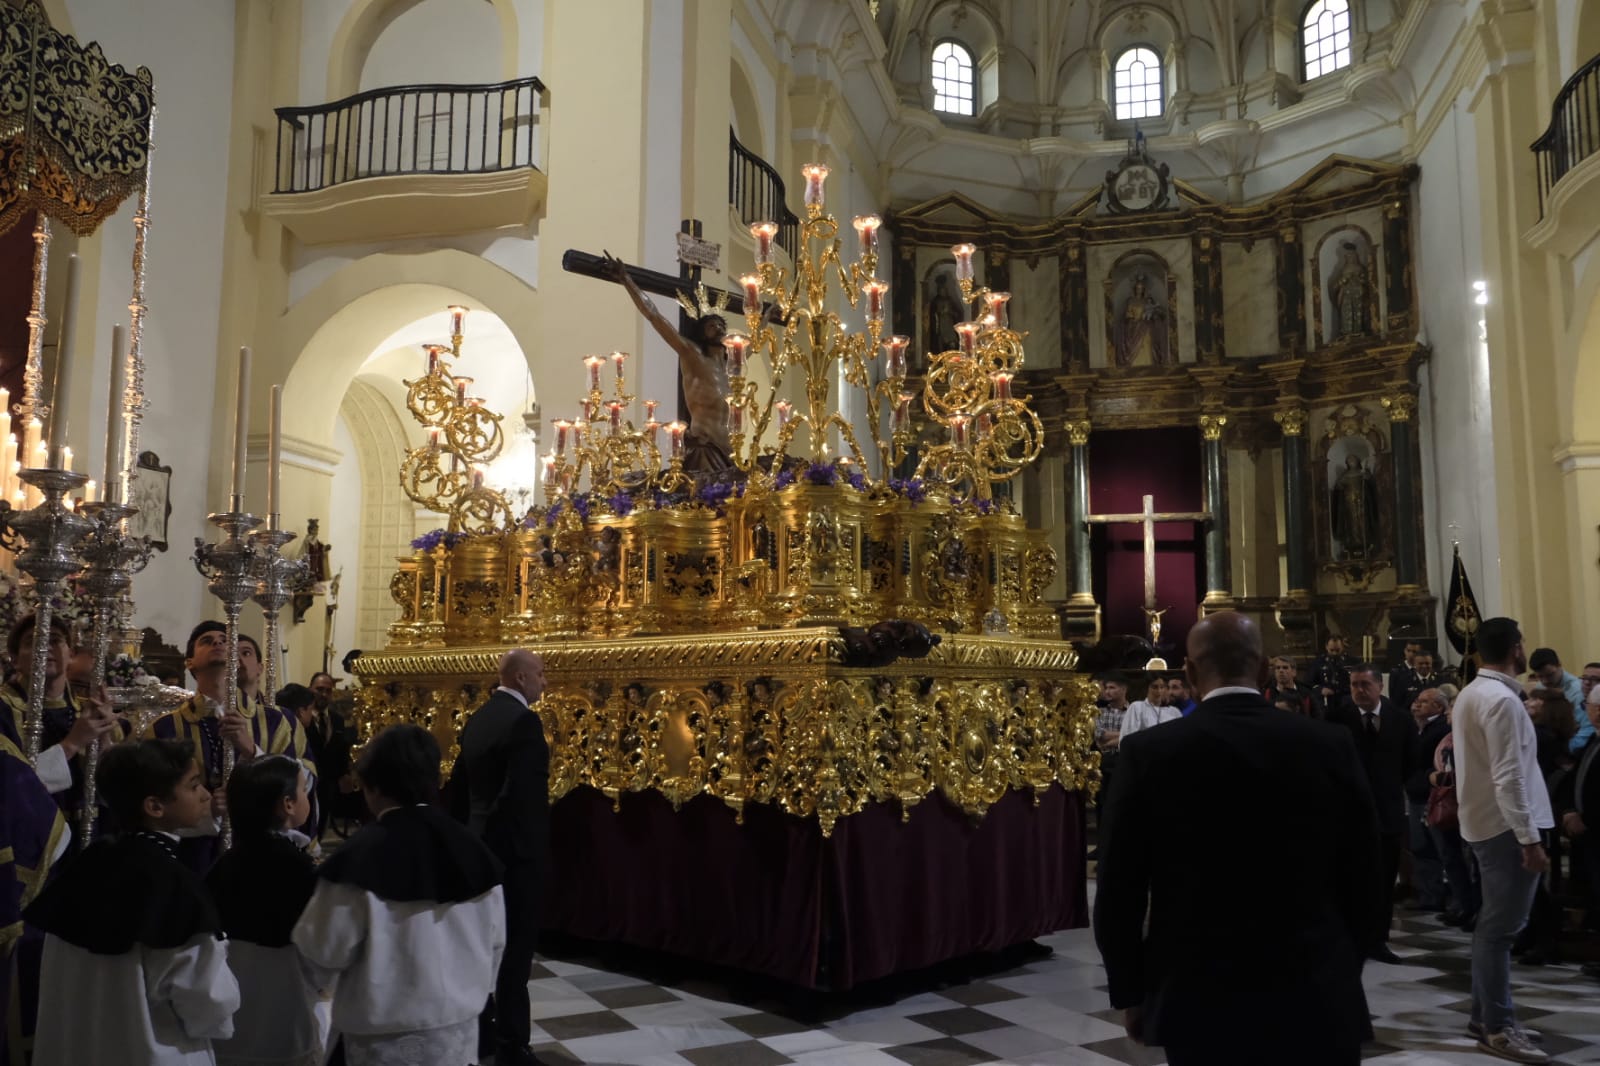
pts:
[1148, 519]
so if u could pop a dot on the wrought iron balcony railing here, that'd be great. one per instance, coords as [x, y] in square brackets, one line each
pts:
[1574, 132]
[756, 193]
[410, 129]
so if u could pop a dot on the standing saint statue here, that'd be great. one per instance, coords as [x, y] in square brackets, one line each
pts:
[1354, 508]
[315, 553]
[1140, 333]
[704, 373]
[1347, 294]
[944, 311]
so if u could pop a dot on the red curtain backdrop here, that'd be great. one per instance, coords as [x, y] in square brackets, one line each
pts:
[16, 300]
[1125, 465]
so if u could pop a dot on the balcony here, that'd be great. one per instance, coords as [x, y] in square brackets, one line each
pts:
[1568, 160]
[411, 161]
[756, 193]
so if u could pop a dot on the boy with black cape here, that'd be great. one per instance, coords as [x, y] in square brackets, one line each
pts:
[408, 913]
[131, 933]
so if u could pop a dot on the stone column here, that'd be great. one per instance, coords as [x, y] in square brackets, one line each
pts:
[1401, 407]
[1080, 615]
[1293, 420]
[1082, 584]
[1218, 594]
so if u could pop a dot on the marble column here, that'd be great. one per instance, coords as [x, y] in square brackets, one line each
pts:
[1082, 573]
[1218, 570]
[1293, 421]
[1401, 407]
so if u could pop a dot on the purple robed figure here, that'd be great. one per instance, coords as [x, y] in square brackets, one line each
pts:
[32, 835]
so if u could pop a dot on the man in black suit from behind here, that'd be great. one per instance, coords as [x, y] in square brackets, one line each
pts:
[1248, 836]
[1386, 739]
[505, 765]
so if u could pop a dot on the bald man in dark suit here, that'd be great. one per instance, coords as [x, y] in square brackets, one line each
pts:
[1247, 837]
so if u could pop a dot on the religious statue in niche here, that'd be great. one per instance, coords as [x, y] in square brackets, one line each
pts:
[1353, 508]
[318, 571]
[1139, 335]
[943, 311]
[1349, 289]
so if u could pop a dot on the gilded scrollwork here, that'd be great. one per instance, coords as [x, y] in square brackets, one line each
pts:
[774, 718]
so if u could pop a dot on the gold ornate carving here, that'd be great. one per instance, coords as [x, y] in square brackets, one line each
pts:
[776, 718]
[1400, 406]
[1292, 419]
[1211, 426]
[1078, 432]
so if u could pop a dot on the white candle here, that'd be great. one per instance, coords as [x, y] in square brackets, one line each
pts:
[64, 346]
[963, 254]
[115, 430]
[89, 493]
[274, 454]
[867, 233]
[763, 232]
[5, 413]
[65, 457]
[241, 427]
[8, 465]
[815, 174]
[30, 440]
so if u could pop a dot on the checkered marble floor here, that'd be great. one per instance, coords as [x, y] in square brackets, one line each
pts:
[1052, 1011]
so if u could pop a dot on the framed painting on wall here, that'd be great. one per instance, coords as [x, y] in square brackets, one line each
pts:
[150, 490]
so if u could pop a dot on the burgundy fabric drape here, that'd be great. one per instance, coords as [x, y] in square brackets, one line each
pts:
[773, 897]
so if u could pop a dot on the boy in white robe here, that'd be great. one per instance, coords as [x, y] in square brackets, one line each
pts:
[261, 887]
[130, 932]
[408, 914]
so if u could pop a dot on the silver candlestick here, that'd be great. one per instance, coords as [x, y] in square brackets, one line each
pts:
[52, 530]
[112, 557]
[278, 578]
[228, 566]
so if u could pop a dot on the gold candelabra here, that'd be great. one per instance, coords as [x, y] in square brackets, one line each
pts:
[446, 474]
[603, 443]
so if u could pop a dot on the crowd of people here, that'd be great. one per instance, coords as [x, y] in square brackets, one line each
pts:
[1471, 795]
[231, 939]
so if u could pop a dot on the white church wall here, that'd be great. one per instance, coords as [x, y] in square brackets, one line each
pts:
[460, 45]
[346, 535]
[1458, 459]
[188, 45]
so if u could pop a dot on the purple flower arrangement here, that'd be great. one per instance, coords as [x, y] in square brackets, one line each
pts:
[912, 488]
[822, 473]
[621, 504]
[435, 537]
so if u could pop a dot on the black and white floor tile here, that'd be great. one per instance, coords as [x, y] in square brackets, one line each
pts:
[1050, 1011]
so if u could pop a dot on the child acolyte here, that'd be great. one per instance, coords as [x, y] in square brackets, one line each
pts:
[131, 932]
[261, 886]
[408, 913]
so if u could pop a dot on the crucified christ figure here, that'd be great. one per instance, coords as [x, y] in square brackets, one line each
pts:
[705, 378]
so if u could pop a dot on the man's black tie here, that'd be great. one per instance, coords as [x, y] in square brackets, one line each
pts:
[1372, 722]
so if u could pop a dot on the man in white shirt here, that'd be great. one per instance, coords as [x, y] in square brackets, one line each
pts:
[1503, 808]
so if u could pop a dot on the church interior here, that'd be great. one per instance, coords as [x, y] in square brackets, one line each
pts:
[1053, 328]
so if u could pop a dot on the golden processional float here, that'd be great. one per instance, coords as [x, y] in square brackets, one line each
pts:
[695, 633]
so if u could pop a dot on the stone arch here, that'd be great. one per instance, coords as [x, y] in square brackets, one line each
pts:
[367, 19]
[388, 518]
[328, 334]
[746, 109]
[1583, 355]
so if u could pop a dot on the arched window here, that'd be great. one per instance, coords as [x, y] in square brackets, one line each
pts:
[954, 88]
[1136, 84]
[1325, 32]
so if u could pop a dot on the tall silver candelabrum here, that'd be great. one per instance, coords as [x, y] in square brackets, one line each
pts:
[229, 566]
[52, 530]
[111, 558]
[278, 578]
